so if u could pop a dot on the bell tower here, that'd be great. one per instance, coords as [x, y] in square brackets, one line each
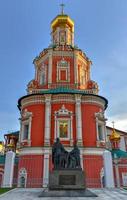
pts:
[62, 29]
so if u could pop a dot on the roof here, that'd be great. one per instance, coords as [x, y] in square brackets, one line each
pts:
[118, 153]
[123, 132]
[16, 133]
[62, 90]
[2, 159]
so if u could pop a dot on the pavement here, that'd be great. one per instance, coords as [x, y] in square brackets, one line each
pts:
[32, 194]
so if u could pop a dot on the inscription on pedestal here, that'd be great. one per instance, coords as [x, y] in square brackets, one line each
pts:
[67, 180]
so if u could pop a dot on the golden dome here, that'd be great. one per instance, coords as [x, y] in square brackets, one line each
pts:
[114, 136]
[62, 20]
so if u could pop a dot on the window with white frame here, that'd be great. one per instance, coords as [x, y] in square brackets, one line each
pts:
[100, 125]
[26, 132]
[43, 78]
[63, 71]
[64, 130]
[25, 125]
[100, 132]
[42, 74]
[63, 124]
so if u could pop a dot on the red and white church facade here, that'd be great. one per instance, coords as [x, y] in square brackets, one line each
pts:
[62, 101]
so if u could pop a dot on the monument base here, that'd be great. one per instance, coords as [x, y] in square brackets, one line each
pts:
[67, 179]
[67, 193]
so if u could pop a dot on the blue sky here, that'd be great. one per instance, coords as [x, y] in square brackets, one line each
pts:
[100, 31]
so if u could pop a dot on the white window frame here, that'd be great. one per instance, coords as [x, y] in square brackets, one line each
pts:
[63, 65]
[25, 120]
[101, 124]
[24, 123]
[68, 131]
[64, 115]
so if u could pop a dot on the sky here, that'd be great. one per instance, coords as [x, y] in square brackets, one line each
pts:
[100, 31]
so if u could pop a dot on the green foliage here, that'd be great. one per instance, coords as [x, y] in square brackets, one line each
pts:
[3, 190]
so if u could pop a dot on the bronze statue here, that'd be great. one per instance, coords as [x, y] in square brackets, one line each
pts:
[57, 151]
[63, 159]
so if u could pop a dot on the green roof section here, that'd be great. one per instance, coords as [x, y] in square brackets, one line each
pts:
[63, 90]
[13, 133]
[2, 159]
[117, 153]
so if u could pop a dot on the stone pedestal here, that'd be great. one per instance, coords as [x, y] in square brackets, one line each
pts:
[67, 179]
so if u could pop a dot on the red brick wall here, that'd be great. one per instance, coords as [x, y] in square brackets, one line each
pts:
[89, 124]
[34, 167]
[92, 166]
[38, 124]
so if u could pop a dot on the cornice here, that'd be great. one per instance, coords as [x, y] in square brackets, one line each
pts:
[48, 150]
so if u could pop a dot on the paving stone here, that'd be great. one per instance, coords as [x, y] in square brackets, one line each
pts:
[32, 194]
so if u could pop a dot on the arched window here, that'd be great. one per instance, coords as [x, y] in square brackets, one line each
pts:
[22, 180]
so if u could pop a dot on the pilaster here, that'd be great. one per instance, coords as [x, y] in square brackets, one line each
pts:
[78, 119]
[50, 67]
[47, 119]
[76, 67]
[46, 168]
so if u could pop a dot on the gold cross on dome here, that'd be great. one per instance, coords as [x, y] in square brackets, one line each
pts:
[62, 8]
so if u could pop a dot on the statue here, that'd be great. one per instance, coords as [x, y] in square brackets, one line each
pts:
[63, 159]
[75, 158]
[57, 151]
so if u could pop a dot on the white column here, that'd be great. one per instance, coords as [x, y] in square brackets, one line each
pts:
[46, 169]
[78, 119]
[47, 119]
[81, 159]
[108, 169]
[50, 67]
[76, 67]
[9, 169]
[117, 171]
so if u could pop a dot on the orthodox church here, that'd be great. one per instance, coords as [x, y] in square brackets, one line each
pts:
[62, 101]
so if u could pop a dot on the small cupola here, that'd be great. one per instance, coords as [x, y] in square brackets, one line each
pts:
[62, 29]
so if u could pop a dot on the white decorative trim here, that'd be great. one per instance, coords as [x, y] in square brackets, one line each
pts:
[26, 119]
[63, 53]
[41, 59]
[31, 100]
[100, 121]
[78, 119]
[50, 66]
[76, 66]
[47, 119]
[46, 168]
[94, 100]
[63, 65]
[64, 115]
[45, 150]
[42, 72]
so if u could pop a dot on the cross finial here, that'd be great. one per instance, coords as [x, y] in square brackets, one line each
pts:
[62, 8]
[113, 124]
